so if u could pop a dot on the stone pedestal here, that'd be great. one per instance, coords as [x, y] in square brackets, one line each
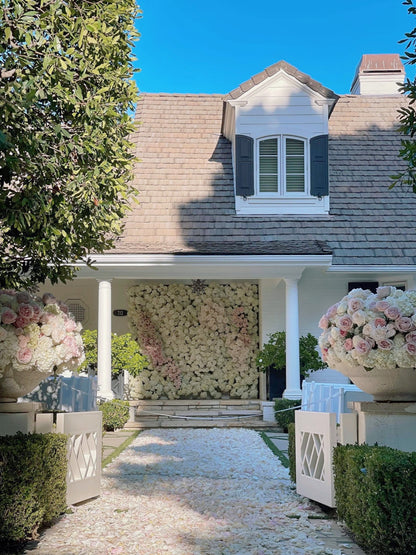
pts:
[18, 417]
[268, 411]
[391, 424]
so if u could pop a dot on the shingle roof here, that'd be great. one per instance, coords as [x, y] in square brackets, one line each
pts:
[186, 187]
[272, 70]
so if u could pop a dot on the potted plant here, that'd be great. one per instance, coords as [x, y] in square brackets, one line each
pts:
[371, 338]
[272, 359]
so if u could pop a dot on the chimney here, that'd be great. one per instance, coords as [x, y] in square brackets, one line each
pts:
[378, 74]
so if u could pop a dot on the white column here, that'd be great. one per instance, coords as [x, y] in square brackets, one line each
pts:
[104, 340]
[293, 390]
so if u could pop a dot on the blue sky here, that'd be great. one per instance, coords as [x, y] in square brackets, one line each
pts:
[200, 46]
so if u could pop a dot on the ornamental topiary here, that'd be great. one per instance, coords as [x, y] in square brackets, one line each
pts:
[115, 414]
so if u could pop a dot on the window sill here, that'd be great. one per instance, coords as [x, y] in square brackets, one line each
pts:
[284, 205]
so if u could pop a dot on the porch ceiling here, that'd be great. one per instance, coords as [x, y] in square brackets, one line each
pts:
[133, 266]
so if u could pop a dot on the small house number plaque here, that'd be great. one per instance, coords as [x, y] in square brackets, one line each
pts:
[120, 312]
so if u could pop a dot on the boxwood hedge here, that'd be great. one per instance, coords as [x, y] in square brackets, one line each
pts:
[32, 484]
[375, 494]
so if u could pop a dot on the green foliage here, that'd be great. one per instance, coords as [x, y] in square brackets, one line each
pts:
[292, 451]
[33, 483]
[115, 414]
[125, 353]
[65, 159]
[288, 416]
[407, 114]
[273, 353]
[374, 489]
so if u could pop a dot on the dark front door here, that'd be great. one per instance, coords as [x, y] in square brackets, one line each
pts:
[276, 383]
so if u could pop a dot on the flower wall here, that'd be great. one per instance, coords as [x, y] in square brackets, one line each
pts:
[201, 341]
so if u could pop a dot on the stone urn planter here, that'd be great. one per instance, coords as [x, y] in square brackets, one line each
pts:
[371, 338]
[385, 384]
[17, 383]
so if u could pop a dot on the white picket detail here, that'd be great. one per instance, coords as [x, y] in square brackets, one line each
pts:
[84, 453]
[316, 437]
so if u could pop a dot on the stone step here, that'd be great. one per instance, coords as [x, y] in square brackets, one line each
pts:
[255, 425]
[198, 413]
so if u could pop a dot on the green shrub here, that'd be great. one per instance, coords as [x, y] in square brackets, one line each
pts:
[273, 354]
[125, 353]
[33, 484]
[292, 452]
[285, 418]
[115, 414]
[375, 494]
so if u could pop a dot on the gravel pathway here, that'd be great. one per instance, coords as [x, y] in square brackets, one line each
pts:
[188, 492]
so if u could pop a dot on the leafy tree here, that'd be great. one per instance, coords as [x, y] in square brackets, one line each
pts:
[407, 114]
[65, 159]
[125, 353]
[273, 353]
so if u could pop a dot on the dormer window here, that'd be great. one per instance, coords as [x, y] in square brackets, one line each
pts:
[281, 174]
[281, 166]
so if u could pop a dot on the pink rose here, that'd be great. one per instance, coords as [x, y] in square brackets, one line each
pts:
[70, 326]
[345, 323]
[410, 348]
[404, 324]
[383, 292]
[348, 344]
[379, 322]
[372, 306]
[23, 341]
[385, 345]
[392, 312]
[26, 311]
[355, 304]
[362, 347]
[323, 322]
[411, 337]
[382, 305]
[332, 310]
[8, 316]
[343, 333]
[21, 322]
[37, 312]
[24, 356]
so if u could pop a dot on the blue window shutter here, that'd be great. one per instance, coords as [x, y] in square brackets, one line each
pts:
[319, 166]
[244, 165]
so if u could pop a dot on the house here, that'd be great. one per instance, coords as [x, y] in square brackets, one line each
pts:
[258, 210]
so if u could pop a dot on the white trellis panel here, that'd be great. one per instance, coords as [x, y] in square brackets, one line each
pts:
[316, 437]
[84, 453]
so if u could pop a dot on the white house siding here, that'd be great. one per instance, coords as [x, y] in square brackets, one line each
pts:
[283, 106]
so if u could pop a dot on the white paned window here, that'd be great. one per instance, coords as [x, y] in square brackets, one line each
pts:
[281, 164]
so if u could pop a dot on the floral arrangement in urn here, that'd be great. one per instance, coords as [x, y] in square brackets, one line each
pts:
[37, 338]
[372, 330]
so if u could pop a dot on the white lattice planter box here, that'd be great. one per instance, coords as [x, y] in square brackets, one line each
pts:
[316, 436]
[84, 453]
